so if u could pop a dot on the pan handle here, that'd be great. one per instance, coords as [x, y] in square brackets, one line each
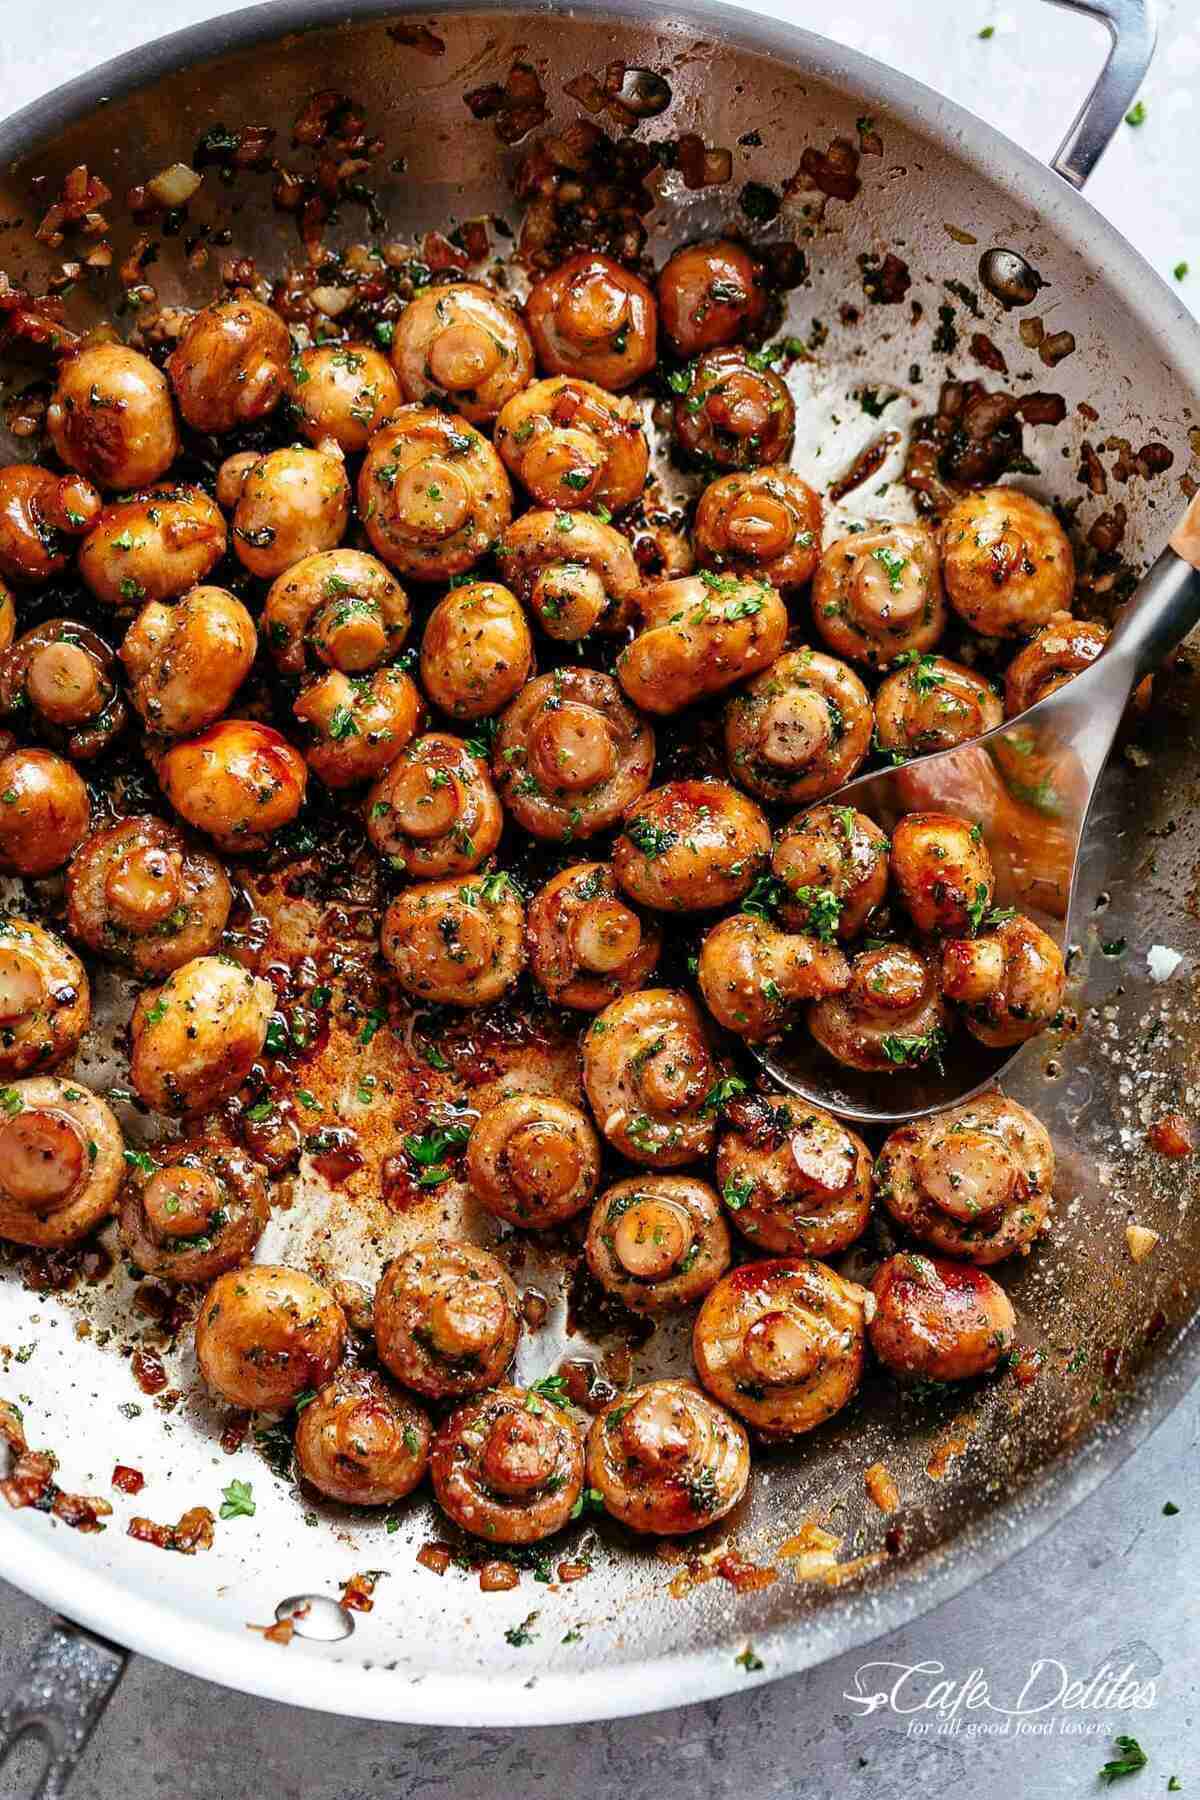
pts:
[1133, 29]
[58, 1700]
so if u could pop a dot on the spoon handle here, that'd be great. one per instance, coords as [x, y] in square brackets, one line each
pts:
[1165, 606]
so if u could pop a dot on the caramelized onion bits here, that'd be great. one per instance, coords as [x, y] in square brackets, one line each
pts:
[361, 1441]
[666, 1459]
[571, 444]
[435, 812]
[591, 317]
[700, 634]
[340, 394]
[691, 846]
[186, 662]
[230, 366]
[198, 1209]
[762, 525]
[40, 515]
[782, 1343]
[1007, 562]
[533, 1160]
[446, 1319]
[570, 755]
[891, 1017]
[878, 594]
[60, 680]
[576, 573]
[1063, 648]
[138, 892]
[1008, 982]
[339, 609]
[941, 867]
[196, 1038]
[463, 347]
[587, 945]
[658, 1242]
[238, 782]
[456, 943]
[931, 704]
[154, 546]
[293, 504]
[61, 1162]
[508, 1467]
[432, 494]
[800, 729]
[832, 864]
[476, 650]
[796, 1180]
[357, 725]
[45, 1001]
[734, 414]
[44, 812]
[936, 1320]
[975, 1182]
[265, 1334]
[710, 294]
[110, 417]
[754, 977]
[649, 1072]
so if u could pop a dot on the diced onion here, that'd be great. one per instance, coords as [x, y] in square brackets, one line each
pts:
[175, 186]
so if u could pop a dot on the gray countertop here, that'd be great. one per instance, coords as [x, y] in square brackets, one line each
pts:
[1111, 1589]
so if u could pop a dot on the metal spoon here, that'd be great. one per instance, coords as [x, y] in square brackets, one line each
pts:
[1029, 784]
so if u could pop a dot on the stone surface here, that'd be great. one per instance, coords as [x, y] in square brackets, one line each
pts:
[1113, 1585]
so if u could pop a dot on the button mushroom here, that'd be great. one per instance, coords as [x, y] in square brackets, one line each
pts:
[593, 318]
[649, 1073]
[446, 1321]
[138, 892]
[196, 1038]
[762, 525]
[61, 1162]
[1006, 561]
[570, 755]
[435, 812]
[700, 634]
[507, 1467]
[432, 494]
[186, 662]
[265, 1334]
[191, 1210]
[800, 729]
[587, 945]
[360, 1441]
[878, 594]
[461, 345]
[110, 417]
[754, 977]
[460, 944]
[658, 1242]
[936, 1320]
[533, 1160]
[571, 444]
[476, 650]
[691, 846]
[795, 1179]
[154, 546]
[666, 1459]
[230, 365]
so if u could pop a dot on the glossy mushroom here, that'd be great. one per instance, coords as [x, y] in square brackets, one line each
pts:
[44, 812]
[186, 662]
[658, 1242]
[782, 1343]
[891, 1016]
[154, 546]
[61, 1162]
[456, 943]
[734, 413]
[666, 1459]
[432, 494]
[649, 1073]
[593, 318]
[191, 1210]
[942, 871]
[476, 650]
[800, 729]
[110, 417]
[975, 1182]
[435, 811]
[1006, 561]
[571, 755]
[533, 1160]
[266, 1334]
[571, 444]
[797, 1181]
[754, 977]
[140, 893]
[699, 634]
[340, 394]
[239, 781]
[831, 864]
[1008, 982]
[196, 1038]
[710, 294]
[1063, 648]
[878, 593]
[293, 504]
[446, 1321]
[762, 525]
[936, 1320]
[461, 346]
[230, 365]
[507, 1467]
[59, 681]
[575, 573]
[355, 726]
[45, 1001]
[41, 514]
[932, 704]
[359, 1440]
[587, 945]
[338, 609]
[691, 846]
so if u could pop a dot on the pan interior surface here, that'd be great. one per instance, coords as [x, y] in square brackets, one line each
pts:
[979, 1471]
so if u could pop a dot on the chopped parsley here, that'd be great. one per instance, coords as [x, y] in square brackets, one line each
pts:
[651, 839]
[427, 1152]
[237, 1501]
[913, 1050]
[823, 910]
[1132, 1757]
[721, 1093]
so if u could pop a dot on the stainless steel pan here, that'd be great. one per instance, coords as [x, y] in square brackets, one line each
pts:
[1117, 1339]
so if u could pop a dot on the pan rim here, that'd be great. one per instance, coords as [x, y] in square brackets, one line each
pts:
[57, 1577]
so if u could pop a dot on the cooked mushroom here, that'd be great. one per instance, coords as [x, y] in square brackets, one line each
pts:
[265, 1334]
[40, 514]
[154, 546]
[110, 417]
[239, 781]
[435, 812]
[658, 1242]
[60, 679]
[832, 866]
[587, 945]
[734, 413]
[890, 1017]
[140, 893]
[196, 1038]
[337, 609]
[293, 504]
[45, 1001]
[754, 977]
[191, 1210]
[476, 650]
[454, 943]
[186, 662]
[1007, 562]
[1063, 648]
[975, 1182]
[461, 345]
[878, 594]
[710, 294]
[795, 1179]
[340, 394]
[936, 1320]
[666, 1459]
[576, 573]
[941, 866]
[571, 444]
[230, 365]
[800, 729]
[357, 725]
[507, 1467]
[44, 812]
[432, 494]
[593, 318]
[649, 1073]
[932, 704]
[700, 634]
[232, 474]
[362, 1442]
[446, 1320]
[782, 1343]
[764, 525]
[570, 755]
[533, 1160]
[1008, 981]
[61, 1162]
[691, 846]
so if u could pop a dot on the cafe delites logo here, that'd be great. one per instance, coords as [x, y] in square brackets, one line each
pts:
[1050, 1701]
